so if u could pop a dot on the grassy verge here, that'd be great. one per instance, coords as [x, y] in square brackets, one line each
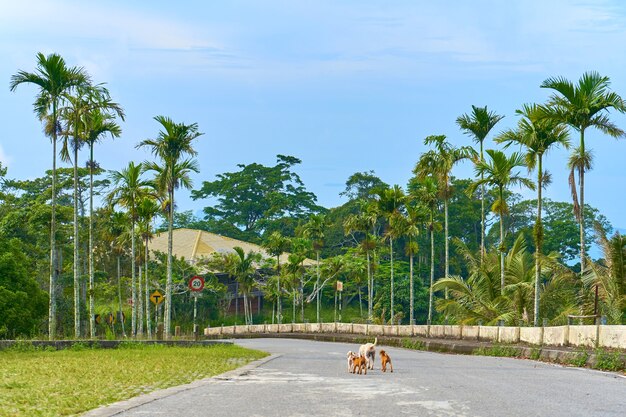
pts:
[68, 382]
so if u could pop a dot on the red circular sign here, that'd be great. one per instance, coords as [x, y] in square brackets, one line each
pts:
[196, 283]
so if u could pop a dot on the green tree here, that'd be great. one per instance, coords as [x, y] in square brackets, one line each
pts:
[53, 78]
[253, 199]
[314, 230]
[538, 135]
[390, 204]
[478, 124]
[129, 189]
[173, 142]
[498, 171]
[147, 209]
[277, 244]
[580, 106]
[241, 266]
[439, 162]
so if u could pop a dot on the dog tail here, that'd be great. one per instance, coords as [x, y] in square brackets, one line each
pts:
[375, 341]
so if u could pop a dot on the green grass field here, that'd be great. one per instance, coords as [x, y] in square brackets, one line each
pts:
[69, 382]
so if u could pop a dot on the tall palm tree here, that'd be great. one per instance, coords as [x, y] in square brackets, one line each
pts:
[314, 230]
[85, 123]
[54, 78]
[537, 134]
[439, 162]
[129, 189]
[390, 203]
[426, 192]
[414, 219]
[580, 106]
[498, 171]
[478, 124]
[147, 209]
[99, 123]
[172, 143]
[276, 245]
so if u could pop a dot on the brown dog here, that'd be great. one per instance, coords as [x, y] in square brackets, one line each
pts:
[385, 359]
[359, 364]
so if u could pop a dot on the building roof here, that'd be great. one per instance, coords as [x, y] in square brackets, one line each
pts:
[196, 244]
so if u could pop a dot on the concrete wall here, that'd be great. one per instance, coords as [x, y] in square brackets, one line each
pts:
[584, 336]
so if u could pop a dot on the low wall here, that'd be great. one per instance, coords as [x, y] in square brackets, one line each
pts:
[604, 336]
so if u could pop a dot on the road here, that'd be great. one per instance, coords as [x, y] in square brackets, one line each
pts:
[308, 378]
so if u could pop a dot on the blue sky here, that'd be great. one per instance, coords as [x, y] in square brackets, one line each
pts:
[345, 86]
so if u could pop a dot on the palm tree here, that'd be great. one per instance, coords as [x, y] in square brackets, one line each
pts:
[498, 171]
[478, 124]
[426, 192]
[241, 266]
[439, 162]
[314, 230]
[173, 142]
[414, 218]
[85, 122]
[581, 106]
[276, 245]
[390, 203]
[147, 209]
[128, 191]
[54, 79]
[537, 134]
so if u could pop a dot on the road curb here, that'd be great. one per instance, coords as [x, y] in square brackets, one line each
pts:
[123, 406]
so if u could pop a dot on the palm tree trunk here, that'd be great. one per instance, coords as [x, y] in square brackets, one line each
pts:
[279, 313]
[411, 299]
[317, 287]
[147, 297]
[92, 308]
[482, 210]
[140, 302]
[133, 283]
[391, 266]
[119, 294]
[52, 306]
[447, 244]
[501, 245]
[360, 304]
[293, 313]
[582, 204]
[76, 252]
[168, 286]
[369, 287]
[245, 307]
[538, 242]
[432, 271]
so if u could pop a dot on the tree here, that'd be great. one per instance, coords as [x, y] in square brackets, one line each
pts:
[497, 171]
[314, 230]
[439, 162]
[478, 124]
[360, 185]
[276, 244]
[241, 266]
[173, 142]
[390, 203]
[415, 217]
[580, 106]
[254, 198]
[426, 192]
[147, 209]
[538, 135]
[54, 79]
[129, 189]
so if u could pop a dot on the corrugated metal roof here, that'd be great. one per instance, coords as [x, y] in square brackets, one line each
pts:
[196, 244]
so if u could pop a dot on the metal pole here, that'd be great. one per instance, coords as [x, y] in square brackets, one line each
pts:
[195, 310]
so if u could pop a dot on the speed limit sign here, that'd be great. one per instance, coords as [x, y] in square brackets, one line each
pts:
[196, 283]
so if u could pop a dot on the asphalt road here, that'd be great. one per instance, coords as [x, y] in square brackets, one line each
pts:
[308, 378]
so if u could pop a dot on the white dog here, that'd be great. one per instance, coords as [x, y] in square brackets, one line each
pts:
[351, 357]
[368, 351]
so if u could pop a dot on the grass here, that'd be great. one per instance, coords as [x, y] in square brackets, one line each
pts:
[68, 382]
[497, 350]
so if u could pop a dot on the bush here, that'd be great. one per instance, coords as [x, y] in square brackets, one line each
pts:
[609, 361]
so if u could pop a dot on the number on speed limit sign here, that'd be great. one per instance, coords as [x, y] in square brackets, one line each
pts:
[196, 283]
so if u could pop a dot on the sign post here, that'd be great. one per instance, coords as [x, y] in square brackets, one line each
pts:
[157, 298]
[196, 285]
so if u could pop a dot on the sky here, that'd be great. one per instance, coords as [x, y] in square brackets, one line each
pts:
[346, 86]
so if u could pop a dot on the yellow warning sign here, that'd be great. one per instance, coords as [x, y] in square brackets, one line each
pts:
[156, 298]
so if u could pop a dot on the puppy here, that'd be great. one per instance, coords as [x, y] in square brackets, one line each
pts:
[368, 351]
[359, 365]
[385, 359]
[351, 356]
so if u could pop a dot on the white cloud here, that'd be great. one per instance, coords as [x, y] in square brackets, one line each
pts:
[5, 160]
